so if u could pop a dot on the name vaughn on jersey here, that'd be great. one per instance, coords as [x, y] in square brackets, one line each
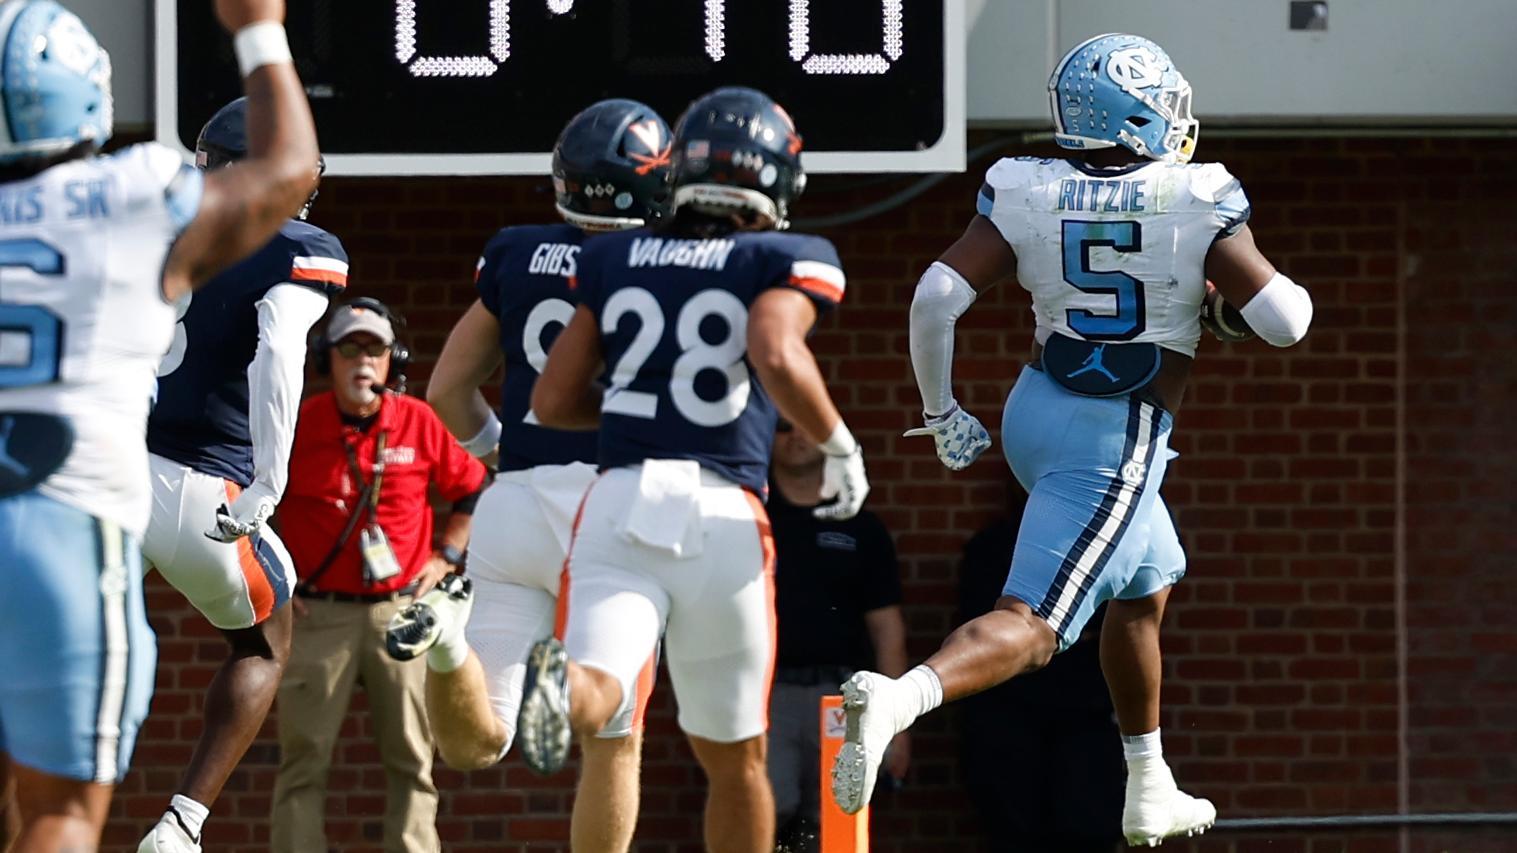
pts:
[695, 254]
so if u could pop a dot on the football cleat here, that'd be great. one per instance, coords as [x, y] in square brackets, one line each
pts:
[1157, 809]
[168, 835]
[542, 725]
[441, 613]
[869, 726]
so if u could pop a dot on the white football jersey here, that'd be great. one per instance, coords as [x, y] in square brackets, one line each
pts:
[83, 323]
[1113, 254]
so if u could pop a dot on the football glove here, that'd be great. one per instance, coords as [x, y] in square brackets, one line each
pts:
[959, 436]
[245, 517]
[843, 478]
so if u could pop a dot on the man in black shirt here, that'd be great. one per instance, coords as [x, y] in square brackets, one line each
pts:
[1059, 719]
[838, 597]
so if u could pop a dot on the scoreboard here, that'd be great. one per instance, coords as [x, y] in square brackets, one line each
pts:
[484, 86]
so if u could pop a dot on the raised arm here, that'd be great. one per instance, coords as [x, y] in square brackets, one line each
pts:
[242, 206]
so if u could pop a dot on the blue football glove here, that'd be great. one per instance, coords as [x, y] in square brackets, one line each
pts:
[959, 436]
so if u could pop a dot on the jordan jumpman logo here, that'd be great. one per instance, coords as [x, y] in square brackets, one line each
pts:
[6, 460]
[1093, 362]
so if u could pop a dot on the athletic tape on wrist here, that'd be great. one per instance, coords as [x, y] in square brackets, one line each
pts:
[485, 440]
[260, 44]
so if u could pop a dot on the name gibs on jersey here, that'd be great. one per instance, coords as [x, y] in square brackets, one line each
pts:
[554, 259]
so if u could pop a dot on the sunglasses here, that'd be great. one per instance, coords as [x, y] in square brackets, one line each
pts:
[350, 349]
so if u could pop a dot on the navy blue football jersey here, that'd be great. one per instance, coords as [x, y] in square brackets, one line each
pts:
[200, 419]
[524, 279]
[673, 317]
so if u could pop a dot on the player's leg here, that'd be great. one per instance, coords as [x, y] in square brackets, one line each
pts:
[56, 813]
[397, 707]
[613, 614]
[313, 702]
[1155, 807]
[1092, 466]
[739, 803]
[476, 631]
[242, 588]
[721, 648]
[77, 687]
[607, 796]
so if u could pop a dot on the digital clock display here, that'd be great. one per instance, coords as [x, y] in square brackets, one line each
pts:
[484, 86]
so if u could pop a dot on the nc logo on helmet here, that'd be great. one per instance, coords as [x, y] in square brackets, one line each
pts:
[1135, 68]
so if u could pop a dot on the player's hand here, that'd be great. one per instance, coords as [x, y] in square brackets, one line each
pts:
[436, 569]
[843, 478]
[245, 517]
[959, 436]
[236, 14]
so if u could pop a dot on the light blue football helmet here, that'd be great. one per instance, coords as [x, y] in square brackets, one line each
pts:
[1119, 89]
[55, 80]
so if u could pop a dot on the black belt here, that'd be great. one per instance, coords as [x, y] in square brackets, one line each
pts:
[809, 675]
[355, 597]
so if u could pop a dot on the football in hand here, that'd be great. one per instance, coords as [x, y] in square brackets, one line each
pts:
[1225, 322]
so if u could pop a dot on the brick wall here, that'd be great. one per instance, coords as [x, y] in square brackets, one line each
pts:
[1315, 485]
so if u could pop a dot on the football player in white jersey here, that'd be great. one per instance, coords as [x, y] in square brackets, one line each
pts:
[1115, 246]
[93, 253]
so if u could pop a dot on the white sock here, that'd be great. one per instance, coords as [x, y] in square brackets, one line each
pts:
[448, 653]
[192, 814]
[1142, 747]
[925, 691]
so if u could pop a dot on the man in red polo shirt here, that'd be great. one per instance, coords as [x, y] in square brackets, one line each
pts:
[358, 525]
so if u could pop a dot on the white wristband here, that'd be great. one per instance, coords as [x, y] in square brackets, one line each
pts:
[263, 43]
[840, 443]
[485, 441]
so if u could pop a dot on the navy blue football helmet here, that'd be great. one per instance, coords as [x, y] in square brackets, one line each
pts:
[224, 140]
[611, 166]
[736, 150]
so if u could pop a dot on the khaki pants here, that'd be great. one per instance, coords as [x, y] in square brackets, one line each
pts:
[338, 645]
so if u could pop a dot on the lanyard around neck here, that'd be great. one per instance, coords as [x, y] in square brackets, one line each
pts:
[378, 467]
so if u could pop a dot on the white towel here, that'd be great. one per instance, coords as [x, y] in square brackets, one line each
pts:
[666, 513]
[559, 490]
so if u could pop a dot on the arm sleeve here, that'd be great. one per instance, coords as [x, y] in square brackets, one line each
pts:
[941, 297]
[883, 588]
[811, 265]
[285, 316]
